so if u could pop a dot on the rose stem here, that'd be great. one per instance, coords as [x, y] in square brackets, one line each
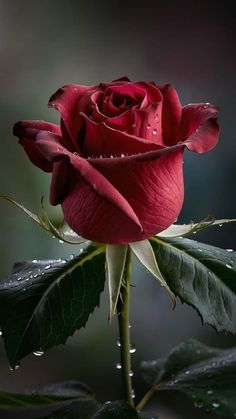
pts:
[123, 308]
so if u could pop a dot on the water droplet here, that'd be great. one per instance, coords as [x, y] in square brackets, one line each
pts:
[198, 403]
[215, 404]
[34, 261]
[148, 126]
[133, 125]
[194, 232]
[61, 241]
[47, 267]
[132, 349]
[118, 343]
[131, 373]
[71, 257]
[75, 153]
[111, 156]
[133, 395]
[108, 402]
[229, 250]
[17, 366]
[210, 392]
[187, 372]
[35, 275]
[0, 333]
[229, 266]
[118, 366]
[130, 326]
[154, 131]
[19, 278]
[122, 155]
[38, 353]
[100, 156]
[156, 118]
[220, 225]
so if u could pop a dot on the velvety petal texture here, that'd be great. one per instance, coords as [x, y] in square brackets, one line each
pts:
[117, 156]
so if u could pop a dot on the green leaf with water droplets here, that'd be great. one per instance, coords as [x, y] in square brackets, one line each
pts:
[202, 276]
[43, 302]
[79, 409]
[206, 374]
[53, 394]
[116, 410]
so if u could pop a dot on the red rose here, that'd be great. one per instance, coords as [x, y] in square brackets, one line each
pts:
[116, 158]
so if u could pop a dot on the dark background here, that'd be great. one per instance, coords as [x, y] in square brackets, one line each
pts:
[46, 44]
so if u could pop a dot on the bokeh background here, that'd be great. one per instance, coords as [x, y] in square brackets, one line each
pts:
[45, 44]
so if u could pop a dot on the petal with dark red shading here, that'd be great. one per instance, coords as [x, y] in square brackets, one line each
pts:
[199, 127]
[153, 188]
[171, 114]
[66, 101]
[79, 169]
[27, 132]
[103, 140]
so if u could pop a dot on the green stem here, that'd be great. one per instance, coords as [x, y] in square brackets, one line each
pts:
[123, 308]
[146, 398]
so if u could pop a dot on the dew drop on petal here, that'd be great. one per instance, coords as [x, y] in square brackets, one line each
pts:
[154, 131]
[122, 155]
[148, 126]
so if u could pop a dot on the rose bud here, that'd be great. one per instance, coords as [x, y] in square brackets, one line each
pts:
[117, 157]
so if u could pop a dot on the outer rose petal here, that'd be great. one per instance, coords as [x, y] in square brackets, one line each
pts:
[27, 132]
[66, 100]
[68, 176]
[199, 127]
[171, 114]
[154, 189]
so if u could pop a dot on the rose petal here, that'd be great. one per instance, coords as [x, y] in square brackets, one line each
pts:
[27, 132]
[79, 170]
[155, 185]
[171, 114]
[153, 94]
[66, 101]
[199, 127]
[102, 140]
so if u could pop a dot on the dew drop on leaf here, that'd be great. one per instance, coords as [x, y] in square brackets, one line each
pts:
[229, 250]
[210, 392]
[198, 403]
[215, 404]
[118, 366]
[38, 353]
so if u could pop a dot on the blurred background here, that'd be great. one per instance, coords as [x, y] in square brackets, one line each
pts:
[46, 44]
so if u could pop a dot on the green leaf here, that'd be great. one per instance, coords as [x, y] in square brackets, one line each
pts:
[81, 409]
[144, 252]
[116, 410]
[43, 302]
[206, 374]
[65, 235]
[202, 276]
[55, 393]
[115, 260]
[177, 230]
